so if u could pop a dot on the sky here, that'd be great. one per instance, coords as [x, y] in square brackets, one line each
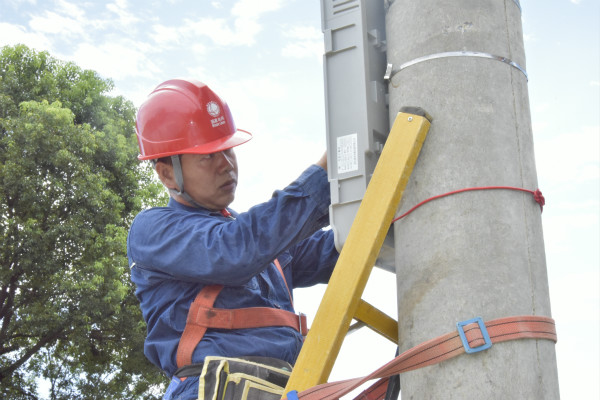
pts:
[265, 59]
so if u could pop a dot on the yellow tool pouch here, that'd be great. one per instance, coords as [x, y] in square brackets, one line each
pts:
[252, 378]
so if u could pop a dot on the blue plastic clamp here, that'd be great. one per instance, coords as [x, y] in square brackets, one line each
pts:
[292, 395]
[484, 332]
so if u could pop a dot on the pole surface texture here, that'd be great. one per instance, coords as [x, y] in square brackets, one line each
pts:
[478, 253]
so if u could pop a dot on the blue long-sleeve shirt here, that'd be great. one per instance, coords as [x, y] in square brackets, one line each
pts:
[175, 251]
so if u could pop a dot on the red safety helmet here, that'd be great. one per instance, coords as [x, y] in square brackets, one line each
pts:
[185, 116]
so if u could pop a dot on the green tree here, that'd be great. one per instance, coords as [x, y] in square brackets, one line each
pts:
[70, 186]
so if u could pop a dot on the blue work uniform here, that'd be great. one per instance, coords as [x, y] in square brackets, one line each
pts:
[175, 251]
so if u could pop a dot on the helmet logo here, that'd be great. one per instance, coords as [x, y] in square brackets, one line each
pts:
[213, 109]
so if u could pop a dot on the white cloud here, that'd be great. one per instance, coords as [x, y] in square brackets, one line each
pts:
[92, 42]
[117, 60]
[306, 42]
[56, 24]
[244, 95]
[594, 83]
[165, 35]
[216, 30]
[251, 9]
[70, 9]
[219, 31]
[14, 34]
[125, 18]
[199, 72]
[243, 29]
[246, 30]
[15, 3]
[198, 49]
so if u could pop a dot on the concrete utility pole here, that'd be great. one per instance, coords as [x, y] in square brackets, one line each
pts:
[476, 253]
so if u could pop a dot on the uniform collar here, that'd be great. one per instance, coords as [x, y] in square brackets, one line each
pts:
[227, 213]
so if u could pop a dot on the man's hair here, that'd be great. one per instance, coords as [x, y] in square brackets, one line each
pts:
[167, 160]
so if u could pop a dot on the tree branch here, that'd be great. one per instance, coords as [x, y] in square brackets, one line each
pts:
[51, 337]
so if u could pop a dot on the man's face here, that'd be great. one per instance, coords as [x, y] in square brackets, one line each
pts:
[210, 179]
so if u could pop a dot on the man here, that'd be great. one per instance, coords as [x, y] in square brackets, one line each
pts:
[197, 244]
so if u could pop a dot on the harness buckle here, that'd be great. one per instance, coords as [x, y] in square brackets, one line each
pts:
[486, 336]
[302, 327]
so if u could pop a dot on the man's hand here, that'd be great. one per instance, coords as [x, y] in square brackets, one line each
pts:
[323, 162]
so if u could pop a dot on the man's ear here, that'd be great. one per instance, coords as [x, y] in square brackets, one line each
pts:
[166, 175]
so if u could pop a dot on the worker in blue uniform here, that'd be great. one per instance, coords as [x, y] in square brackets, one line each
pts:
[255, 258]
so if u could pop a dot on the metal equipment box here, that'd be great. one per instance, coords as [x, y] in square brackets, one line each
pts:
[356, 104]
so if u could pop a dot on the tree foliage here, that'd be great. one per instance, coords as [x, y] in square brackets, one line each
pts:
[70, 185]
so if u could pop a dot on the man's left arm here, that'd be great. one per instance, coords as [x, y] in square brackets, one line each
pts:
[313, 259]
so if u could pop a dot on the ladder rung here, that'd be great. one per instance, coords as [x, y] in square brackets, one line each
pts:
[377, 320]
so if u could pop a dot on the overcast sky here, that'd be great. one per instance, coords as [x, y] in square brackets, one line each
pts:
[265, 58]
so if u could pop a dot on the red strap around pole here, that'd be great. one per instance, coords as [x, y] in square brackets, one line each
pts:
[440, 349]
[537, 196]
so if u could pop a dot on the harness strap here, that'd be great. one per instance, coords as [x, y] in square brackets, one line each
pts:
[284, 281]
[202, 316]
[440, 349]
[193, 333]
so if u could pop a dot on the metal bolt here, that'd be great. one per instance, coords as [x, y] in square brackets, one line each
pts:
[409, 119]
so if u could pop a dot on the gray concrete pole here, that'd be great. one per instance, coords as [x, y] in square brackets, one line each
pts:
[477, 253]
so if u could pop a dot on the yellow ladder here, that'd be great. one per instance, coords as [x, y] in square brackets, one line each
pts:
[342, 299]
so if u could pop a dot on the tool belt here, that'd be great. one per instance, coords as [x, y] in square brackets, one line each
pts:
[248, 378]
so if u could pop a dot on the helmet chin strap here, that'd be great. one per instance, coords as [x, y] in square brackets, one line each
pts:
[179, 180]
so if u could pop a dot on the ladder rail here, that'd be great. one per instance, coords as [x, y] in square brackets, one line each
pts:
[373, 219]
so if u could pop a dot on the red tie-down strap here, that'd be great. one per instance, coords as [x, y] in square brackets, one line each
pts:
[434, 351]
[537, 196]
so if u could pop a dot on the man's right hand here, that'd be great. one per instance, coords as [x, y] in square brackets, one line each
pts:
[323, 162]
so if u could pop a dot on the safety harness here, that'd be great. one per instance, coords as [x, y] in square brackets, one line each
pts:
[202, 315]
